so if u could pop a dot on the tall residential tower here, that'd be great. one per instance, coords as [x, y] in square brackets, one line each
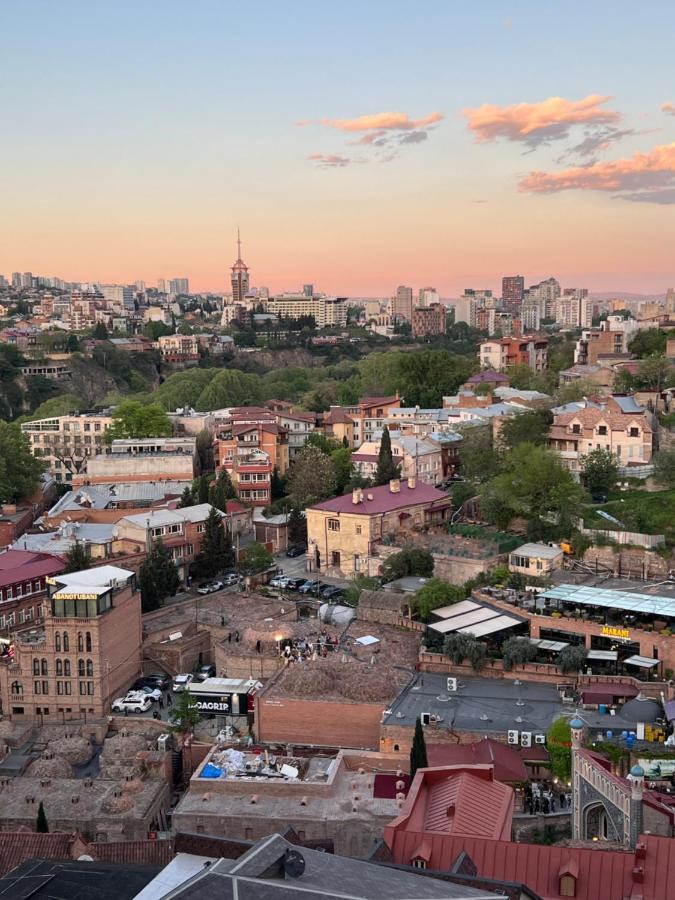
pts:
[239, 278]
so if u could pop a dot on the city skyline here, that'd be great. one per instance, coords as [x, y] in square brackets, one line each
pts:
[449, 150]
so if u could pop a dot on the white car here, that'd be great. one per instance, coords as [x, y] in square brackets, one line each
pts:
[279, 581]
[180, 682]
[133, 704]
[153, 694]
[211, 587]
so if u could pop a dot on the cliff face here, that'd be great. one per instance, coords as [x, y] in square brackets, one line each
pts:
[265, 360]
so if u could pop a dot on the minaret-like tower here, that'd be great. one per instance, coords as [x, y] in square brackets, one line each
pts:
[637, 785]
[239, 277]
[577, 736]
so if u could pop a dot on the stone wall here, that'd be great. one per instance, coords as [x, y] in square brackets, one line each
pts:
[322, 723]
[630, 561]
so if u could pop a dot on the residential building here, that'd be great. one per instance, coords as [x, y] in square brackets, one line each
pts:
[369, 416]
[402, 303]
[66, 442]
[178, 347]
[545, 295]
[530, 315]
[609, 340]
[417, 456]
[574, 309]
[428, 321]
[337, 424]
[298, 426]
[513, 289]
[179, 286]
[243, 429]
[23, 582]
[251, 475]
[157, 314]
[344, 533]
[120, 295]
[467, 306]
[146, 459]
[85, 654]
[488, 378]
[427, 295]
[536, 560]
[326, 311]
[613, 423]
[501, 354]
[239, 278]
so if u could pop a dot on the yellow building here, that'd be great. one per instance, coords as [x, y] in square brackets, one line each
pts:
[536, 560]
[344, 533]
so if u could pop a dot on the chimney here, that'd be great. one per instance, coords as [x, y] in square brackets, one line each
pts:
[357, 496]
[412, 481]
[395, 485]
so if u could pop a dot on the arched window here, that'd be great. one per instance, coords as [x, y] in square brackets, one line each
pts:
[90, 668]
[80, 642]
[17, 687]
[66, 667]
[80, 667]
[89, 642]
[59, 667]
[44, 667]
[66, 642]
[36, 667]
[57, 642]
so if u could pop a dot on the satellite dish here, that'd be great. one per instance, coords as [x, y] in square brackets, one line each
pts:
[294, 863]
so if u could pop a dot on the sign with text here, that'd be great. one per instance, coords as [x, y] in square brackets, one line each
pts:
[613, 631]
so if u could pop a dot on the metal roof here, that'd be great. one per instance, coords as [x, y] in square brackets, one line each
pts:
[538, 551]
[470, 618]
[642, 604]
[456, 609]
[490, 626]
[606, 655]
[644, 662]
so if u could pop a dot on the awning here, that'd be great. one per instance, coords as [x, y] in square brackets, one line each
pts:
[552, 646]
[491, 626]
[605, 655]
[456, 609]
[606, 693]
[643, 661]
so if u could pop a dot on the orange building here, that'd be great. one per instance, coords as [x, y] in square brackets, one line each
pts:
[251, 428]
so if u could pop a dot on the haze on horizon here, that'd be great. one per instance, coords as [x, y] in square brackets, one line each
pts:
[357, 149]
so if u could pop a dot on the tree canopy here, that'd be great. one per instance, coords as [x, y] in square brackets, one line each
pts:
[434, 594]
[601, 469]
[409, 561]
[132, 419]
[386, 467]
[216, 552]
[311, 476]
[157, 577]
[20, 471]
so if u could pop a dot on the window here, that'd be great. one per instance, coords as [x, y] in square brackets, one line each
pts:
[633, 432]
[333, 524]
[201, 528]
[43, 667]
[83, 689]
[37, 688]
[90, 687]
[9, 594]
[576, 428]
[80, 642]
[36, 667]
[88, 641]
[66, 667]
[45, 687]
[358, 529]
[90, 667]
[419, 863]
[602, 429]
[17, 687]
[59, 667]
[66, 642]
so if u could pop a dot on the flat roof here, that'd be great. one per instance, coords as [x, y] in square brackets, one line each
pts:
[456, 609]
[491, 626]
[540, 551]
[642, 604]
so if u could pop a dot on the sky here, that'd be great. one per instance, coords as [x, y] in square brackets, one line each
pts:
[357, 146]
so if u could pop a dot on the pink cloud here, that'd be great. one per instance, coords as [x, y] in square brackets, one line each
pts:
[330, 160]
[384, 121]
[533, 123]
[668, 109]
[645, 175]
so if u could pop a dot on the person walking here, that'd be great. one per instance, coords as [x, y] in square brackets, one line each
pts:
[169, 701]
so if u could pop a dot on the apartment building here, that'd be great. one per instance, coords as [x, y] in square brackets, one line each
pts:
[326, 311]
[23, 582]
[417, 456]
[252, 477]
[66, 442]
[609, 340]
[178, 347]
[344, 533]
[428, 320]
[402, 303]
[85, 654]
[614, 423]
[147, 459]
[244, 429]
[501, 354]
[298, 426]
[337, 424]
[369, 416]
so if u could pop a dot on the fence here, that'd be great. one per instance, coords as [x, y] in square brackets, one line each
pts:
[650, 541]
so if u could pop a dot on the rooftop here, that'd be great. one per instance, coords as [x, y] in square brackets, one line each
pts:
[538, 551]
[382, 499]
[630, 601]
[160, 517]
[18, 565]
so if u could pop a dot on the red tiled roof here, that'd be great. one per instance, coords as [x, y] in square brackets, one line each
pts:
[338, 416]
[231, 506]
[383, 500]
[367, 402]
[143, 853]
[508, 763]
[18, 846]
[22, 565]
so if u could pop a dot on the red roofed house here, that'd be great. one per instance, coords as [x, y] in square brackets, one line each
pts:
[370, 415]
[448, 801]
[344, 533]
[22, 585]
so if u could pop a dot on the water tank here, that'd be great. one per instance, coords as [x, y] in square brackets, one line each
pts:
[336, 615]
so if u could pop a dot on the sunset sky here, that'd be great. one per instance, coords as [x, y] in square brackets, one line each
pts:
[357, 145]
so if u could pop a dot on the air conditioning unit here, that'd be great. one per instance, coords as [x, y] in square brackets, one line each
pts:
[525, 739]
[451, 685]
[425, 718]
[540, 738]
[512, 737]
[164, 742]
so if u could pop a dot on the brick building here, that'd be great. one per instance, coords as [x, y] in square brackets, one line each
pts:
[23, 582]
[85, 654]
[428, 321]
[245, 429]
[368, 416]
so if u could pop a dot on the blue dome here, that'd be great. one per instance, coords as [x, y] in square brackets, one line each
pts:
[637, 771]
[576, 723]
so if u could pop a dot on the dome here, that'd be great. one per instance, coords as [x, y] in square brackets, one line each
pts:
[576, 723]
[641, 709]
[637, 771]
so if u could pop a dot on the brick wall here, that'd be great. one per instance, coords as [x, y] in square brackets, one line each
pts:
[324, 723]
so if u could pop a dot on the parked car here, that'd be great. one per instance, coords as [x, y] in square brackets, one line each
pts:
[311, 587]
[279, 581]
[232, 578]
[332, 592]
[180, 682]
[158, 680]
[204, 672]
[296, 550]
[145, 690]
[294, 584]
[132, 703]
[210, 587]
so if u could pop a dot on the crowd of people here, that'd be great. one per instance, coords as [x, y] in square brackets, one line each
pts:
[294, 650]
[541, 797]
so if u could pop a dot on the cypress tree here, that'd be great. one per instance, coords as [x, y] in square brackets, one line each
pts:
[41, 825]
[297, 526]
[216, 552]
[386, 469]
[186, 498]
[418, 751]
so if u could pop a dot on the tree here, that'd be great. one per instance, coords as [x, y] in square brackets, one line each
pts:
[571, 659]
[386, 468]
[297, 526]
[480, 461]
[278, 484]
[601, 470]
[418, 751]
[648, 342]
[432, 595]
[204, 445]
[559, 744]
[20, 471]
[132, 419]
[77, 558]
[41, 825]
[311, 477]
[100, 332]
[342, 467]
[257, 558]
[531, 427]
[409, 561]
[184, 714]
[516, 651]
[187, 498]
[157, 577]
[200, 488]
[216, 552]
[222, 490]
[664, 468]
[465, 646]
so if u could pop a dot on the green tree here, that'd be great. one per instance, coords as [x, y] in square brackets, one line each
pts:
[654, 373]
[100, 332]
[571, 659]
[480, 460]
[20, 471]
[601, 469]
[222, 490]
[256, 558]
[386, 468]
[465, 646]
[216, 552]
[325, 444]
[200, 489]
[297, 526]
[342, 467]
[648, 342]
[409, 561]
[186, 498]
[278, 484]
[664, 468]
[229, 387]
[132, 419]
[155, 330]
[184, 714]
[516, 651]
[559, 746]
[528, 427]
[311, 477]
[77, 558]
[157, 577]
[41, 825]
[434, 594]
[56, 406]
[204, 445]
[418, 751]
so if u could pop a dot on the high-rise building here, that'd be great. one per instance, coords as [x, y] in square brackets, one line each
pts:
[545, 293]
[140, 286]
[308, 290]
[239, 277]
[670, 302]
[27, 280]
[179, 286]
[403, 303]
[162, 285]
[16, 279]
[427, 296]
[513, 288]
[428, 320]
[118, 294]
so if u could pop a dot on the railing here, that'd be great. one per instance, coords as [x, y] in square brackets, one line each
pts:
[648, 541]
